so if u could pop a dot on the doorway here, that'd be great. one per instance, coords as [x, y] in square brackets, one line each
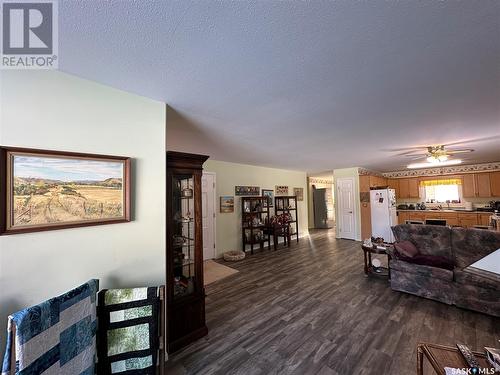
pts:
[208, 214]
[321, 201]
[346, 210]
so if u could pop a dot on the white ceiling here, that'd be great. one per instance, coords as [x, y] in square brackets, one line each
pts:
[309, 85]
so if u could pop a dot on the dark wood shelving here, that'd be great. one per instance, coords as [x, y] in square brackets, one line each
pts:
[288, 203]
[248, 216]
[184, 278]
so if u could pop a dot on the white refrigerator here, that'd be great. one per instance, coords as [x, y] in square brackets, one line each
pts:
[383, 212]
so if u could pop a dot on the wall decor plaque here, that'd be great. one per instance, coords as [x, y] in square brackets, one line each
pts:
[281, 190]
[246, 190]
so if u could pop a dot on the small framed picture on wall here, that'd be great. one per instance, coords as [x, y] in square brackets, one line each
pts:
[270, 197]
[226, 204]
[299, 193]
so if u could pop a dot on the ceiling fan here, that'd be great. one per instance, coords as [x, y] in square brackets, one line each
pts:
[435, 155]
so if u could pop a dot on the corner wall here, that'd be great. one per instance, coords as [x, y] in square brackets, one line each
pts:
[53, 110]
[228, 236]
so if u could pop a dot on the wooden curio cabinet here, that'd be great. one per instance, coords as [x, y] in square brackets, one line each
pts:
[185, 291]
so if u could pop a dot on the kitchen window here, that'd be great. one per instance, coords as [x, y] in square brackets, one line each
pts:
[442, 191]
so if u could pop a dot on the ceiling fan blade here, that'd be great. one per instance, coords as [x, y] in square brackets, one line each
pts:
[407, 149]
[451, 152]
[473, 140]
[416, 157]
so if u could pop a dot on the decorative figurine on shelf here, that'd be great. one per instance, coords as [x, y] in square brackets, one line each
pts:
[187, 217]
[257, 207]
[187, 192]
[282, 219]
[246, 208]
[256, 221]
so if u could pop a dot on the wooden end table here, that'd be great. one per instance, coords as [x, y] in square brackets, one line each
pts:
[441, 356]
[368, 251]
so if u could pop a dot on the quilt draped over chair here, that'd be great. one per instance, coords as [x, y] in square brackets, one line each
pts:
[129, 331]
[55, 337]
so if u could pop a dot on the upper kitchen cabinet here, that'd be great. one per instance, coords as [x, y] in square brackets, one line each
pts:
[478, 185]
[376, 181]
[413, 187]
[483, 185]
[495, 184]
[408, 188]
[468, 186]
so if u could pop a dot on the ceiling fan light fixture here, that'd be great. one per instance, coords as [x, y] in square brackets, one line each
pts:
[442, 158]
[427, 165]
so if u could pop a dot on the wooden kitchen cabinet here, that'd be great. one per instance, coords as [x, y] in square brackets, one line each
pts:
[377, 181]
[467, 220]
[408, 188]
[483, 185]
[420, 216]
[413, 188]
[495, 184]
[468, 186]
[404, 191]
[478, 185]
[484, 219]
[402, 217]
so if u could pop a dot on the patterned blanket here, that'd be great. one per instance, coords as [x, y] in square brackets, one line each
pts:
[54, 337]
[128, 337]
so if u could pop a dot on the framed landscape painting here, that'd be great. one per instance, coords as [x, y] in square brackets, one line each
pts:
[226, 204]
[46, 190]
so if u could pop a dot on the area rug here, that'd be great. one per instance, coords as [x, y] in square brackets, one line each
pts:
[213, 271]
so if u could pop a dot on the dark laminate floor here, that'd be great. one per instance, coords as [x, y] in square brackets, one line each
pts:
[311, 310]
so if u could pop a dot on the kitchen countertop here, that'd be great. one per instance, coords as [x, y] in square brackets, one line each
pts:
[449, 211]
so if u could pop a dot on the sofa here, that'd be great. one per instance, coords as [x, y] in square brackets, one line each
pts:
[451, 280]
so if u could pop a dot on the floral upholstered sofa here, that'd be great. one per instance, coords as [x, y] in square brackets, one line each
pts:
[433, 262]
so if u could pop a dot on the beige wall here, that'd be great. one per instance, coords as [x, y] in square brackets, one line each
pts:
[349, 172]
[228, 236]
[53, 110]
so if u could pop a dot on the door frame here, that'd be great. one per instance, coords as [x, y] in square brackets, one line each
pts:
[354, 205]
[215, 209]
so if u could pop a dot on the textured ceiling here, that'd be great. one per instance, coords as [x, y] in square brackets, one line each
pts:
[302, 85]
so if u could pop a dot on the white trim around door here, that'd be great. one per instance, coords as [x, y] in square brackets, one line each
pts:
[209, 209]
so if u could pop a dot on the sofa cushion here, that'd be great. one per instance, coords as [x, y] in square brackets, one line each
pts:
[421, 270]
[406, 248]
[429, 239]
[432, 261]
[470, 245]
[478, 278]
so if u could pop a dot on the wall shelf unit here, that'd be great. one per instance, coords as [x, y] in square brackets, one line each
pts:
[288, 204]
[254, 218]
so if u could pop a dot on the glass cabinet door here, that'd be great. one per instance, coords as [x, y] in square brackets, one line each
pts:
[183, 239]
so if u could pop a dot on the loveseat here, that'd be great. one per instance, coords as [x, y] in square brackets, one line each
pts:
[444, 274]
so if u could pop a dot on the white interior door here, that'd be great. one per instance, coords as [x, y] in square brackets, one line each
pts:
[345, 199]
[208, 214]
